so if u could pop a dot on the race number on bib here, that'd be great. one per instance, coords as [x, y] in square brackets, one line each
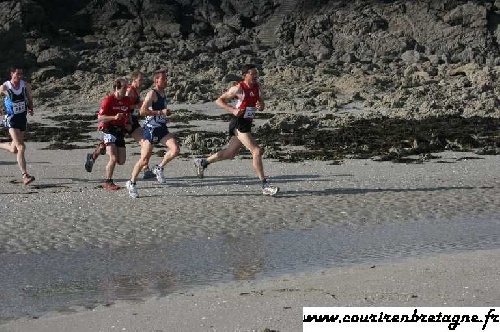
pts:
[249, 113]
[18, 108]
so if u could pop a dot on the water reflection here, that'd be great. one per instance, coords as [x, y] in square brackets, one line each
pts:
[246, 257]
[141, 285]
[34, 284]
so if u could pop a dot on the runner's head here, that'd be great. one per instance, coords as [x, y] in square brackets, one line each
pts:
[137, 78]
[120, 87]
[160, 78]
[250, 73]
[16, 74]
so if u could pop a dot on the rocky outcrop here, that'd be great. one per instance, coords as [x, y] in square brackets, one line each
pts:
[398, 58]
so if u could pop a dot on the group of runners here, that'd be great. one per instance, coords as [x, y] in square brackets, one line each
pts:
[119, 116]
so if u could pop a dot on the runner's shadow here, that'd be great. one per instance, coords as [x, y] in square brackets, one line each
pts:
[83, 180]
[357, 191]
[331, 192]
[245, 180]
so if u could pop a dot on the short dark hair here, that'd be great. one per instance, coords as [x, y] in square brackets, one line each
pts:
[119, 83]
[14, 68]
[246, 68]
[159, 72]
[135, 74]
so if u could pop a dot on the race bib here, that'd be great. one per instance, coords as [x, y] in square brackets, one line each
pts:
[19, 107]
[249, 113]
[109, 138]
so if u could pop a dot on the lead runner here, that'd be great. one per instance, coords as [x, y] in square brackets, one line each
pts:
[249, 100]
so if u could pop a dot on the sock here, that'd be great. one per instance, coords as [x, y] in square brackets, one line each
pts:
[204, 163]
[109, 181]
[264, 182]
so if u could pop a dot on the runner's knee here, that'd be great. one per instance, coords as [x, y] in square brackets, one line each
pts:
[113, 159]
[144, 161]
[257, 151]
[175, 151]
[18, 147]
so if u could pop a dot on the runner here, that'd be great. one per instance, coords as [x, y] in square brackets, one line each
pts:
[134, 129]
[248, 100]
[112, 118]
[18, 104]
[155, 131]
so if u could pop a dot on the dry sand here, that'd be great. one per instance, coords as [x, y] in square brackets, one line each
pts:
[66, 209]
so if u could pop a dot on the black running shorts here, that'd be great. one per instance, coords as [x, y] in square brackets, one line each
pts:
[243, 125]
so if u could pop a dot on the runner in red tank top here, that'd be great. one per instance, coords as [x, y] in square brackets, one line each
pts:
[248, 101]
[133, 127]
[112, 119]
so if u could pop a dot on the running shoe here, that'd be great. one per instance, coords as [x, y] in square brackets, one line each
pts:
[132, 189]
[158, 171]
[27, 179]
[110, 186]
[148, 174]
[268, 190]
[200, 169]
[89, 163]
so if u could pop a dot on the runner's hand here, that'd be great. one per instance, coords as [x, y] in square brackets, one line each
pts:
[259, 106]
[237, 112]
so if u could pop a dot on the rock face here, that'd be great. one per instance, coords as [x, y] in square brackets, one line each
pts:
[398, 58]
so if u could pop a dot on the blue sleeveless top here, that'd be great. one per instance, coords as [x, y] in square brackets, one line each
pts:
[16, 102]
[157, 120]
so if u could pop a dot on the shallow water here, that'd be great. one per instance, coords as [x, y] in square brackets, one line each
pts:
[35, 284]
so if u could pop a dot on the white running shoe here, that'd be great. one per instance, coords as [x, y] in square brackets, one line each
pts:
[159, 174]
[198, 163]
[268, 190]
[132, 189]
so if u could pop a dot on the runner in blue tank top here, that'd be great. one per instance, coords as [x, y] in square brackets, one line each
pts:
[155, 131]
[18, 104]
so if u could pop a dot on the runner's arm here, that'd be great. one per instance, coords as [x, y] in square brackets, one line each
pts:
[102, 117]
[148, 102]
[30, 98]
[3, 90]
[107, 118]
[229, 95]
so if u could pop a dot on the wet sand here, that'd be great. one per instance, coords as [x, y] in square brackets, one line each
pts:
[465, 279]
[66, 209]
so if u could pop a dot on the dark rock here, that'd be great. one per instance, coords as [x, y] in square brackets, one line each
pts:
[401, 58]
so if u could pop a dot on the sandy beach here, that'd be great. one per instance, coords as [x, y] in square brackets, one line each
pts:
[363, 233]
[367, 104]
